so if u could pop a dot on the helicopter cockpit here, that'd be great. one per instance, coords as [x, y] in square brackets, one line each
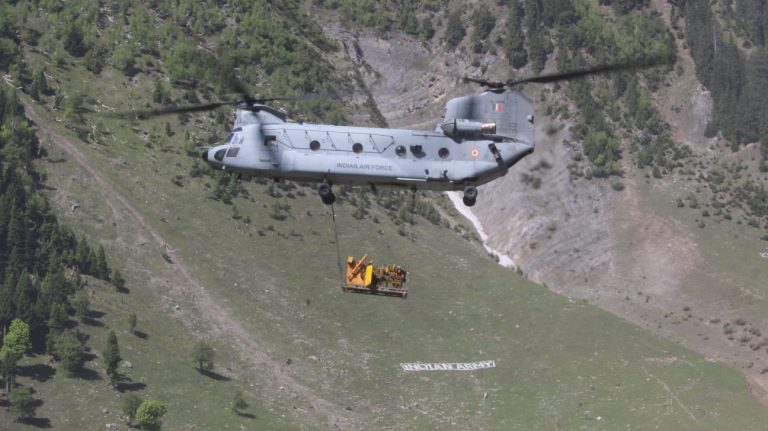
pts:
[229, 148]
[234, 138]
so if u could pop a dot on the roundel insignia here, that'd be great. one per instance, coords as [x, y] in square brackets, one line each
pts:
[474, 153]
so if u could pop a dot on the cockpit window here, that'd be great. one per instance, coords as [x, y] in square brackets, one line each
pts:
[219, 155]
[232, 151]
[235, 138]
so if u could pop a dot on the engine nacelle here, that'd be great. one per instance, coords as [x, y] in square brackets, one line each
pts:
[467, 129]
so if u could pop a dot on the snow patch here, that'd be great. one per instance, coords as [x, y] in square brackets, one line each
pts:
[456, 198]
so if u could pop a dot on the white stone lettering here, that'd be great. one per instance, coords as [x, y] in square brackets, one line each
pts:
[448, 366]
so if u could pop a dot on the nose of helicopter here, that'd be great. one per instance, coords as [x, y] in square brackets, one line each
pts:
[204, 156]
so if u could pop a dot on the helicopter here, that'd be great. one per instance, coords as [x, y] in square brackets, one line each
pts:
[479, 139]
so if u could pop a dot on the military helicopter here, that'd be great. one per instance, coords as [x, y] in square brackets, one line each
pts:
[480, 138]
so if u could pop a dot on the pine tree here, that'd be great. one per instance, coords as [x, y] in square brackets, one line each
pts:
[25, 297]
[7, 367]
[117, 279]
[239, 403]
[427, 31]
[81, 303]
[111, 357]
[7, 289]
[131, 403]
[514, 41]
[454, 30]
[483, 21]
[159, 93]
[22, 403]
[54, 289]
[16, 234]
[69, 351]
[203, 355]
[39, 85]
[83, 255]
[132, 322]
[57, 319]
[100, 267]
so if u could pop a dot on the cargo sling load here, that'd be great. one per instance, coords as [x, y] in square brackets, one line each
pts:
[361, 276]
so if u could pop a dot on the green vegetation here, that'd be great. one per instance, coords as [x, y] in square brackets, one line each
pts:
[454, 30]
[111, 357]
[737, 76]
[81, 303]
[619, 116]
[385, 16]
[203, 356]
[8, 363]
[483, 21]
[131, 403]
[514, 39]
[22, 403]
[132, 319]
[41, 262]
[16, 340]
[238, 402]
[627, 104]
[343, 349]
[69, 350]
[149, 414]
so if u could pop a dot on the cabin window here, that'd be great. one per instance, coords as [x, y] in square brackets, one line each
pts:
[270, 139]
[232, 151]
[357, 148]
[314, 145]
[400, 150]
[443, 153]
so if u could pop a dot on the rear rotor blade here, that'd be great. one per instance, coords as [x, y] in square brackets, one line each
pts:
[578, 73]
[484, 82]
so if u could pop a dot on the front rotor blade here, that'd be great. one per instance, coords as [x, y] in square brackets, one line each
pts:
[297, 98]
[484, 82]
[238, 85]
[578, 73]
[173, 110]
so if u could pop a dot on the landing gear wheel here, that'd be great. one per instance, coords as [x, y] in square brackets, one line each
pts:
[326, 193]
[470, 195]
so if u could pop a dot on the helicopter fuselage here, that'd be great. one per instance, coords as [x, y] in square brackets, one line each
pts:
[361, 155]
[479, 139]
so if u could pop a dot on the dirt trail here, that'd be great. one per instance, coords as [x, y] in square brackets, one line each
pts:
[184, 285]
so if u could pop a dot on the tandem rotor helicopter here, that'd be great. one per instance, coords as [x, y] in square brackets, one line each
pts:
[478, 140]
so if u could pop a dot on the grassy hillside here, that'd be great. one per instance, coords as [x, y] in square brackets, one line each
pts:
[256, 278]
[558, 363]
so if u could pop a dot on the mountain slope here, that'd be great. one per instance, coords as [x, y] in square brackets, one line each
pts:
[623, 243]
[634, 251]
[256, 278]
[556, 361]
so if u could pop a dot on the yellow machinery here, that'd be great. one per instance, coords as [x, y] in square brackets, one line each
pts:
[361, 276]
